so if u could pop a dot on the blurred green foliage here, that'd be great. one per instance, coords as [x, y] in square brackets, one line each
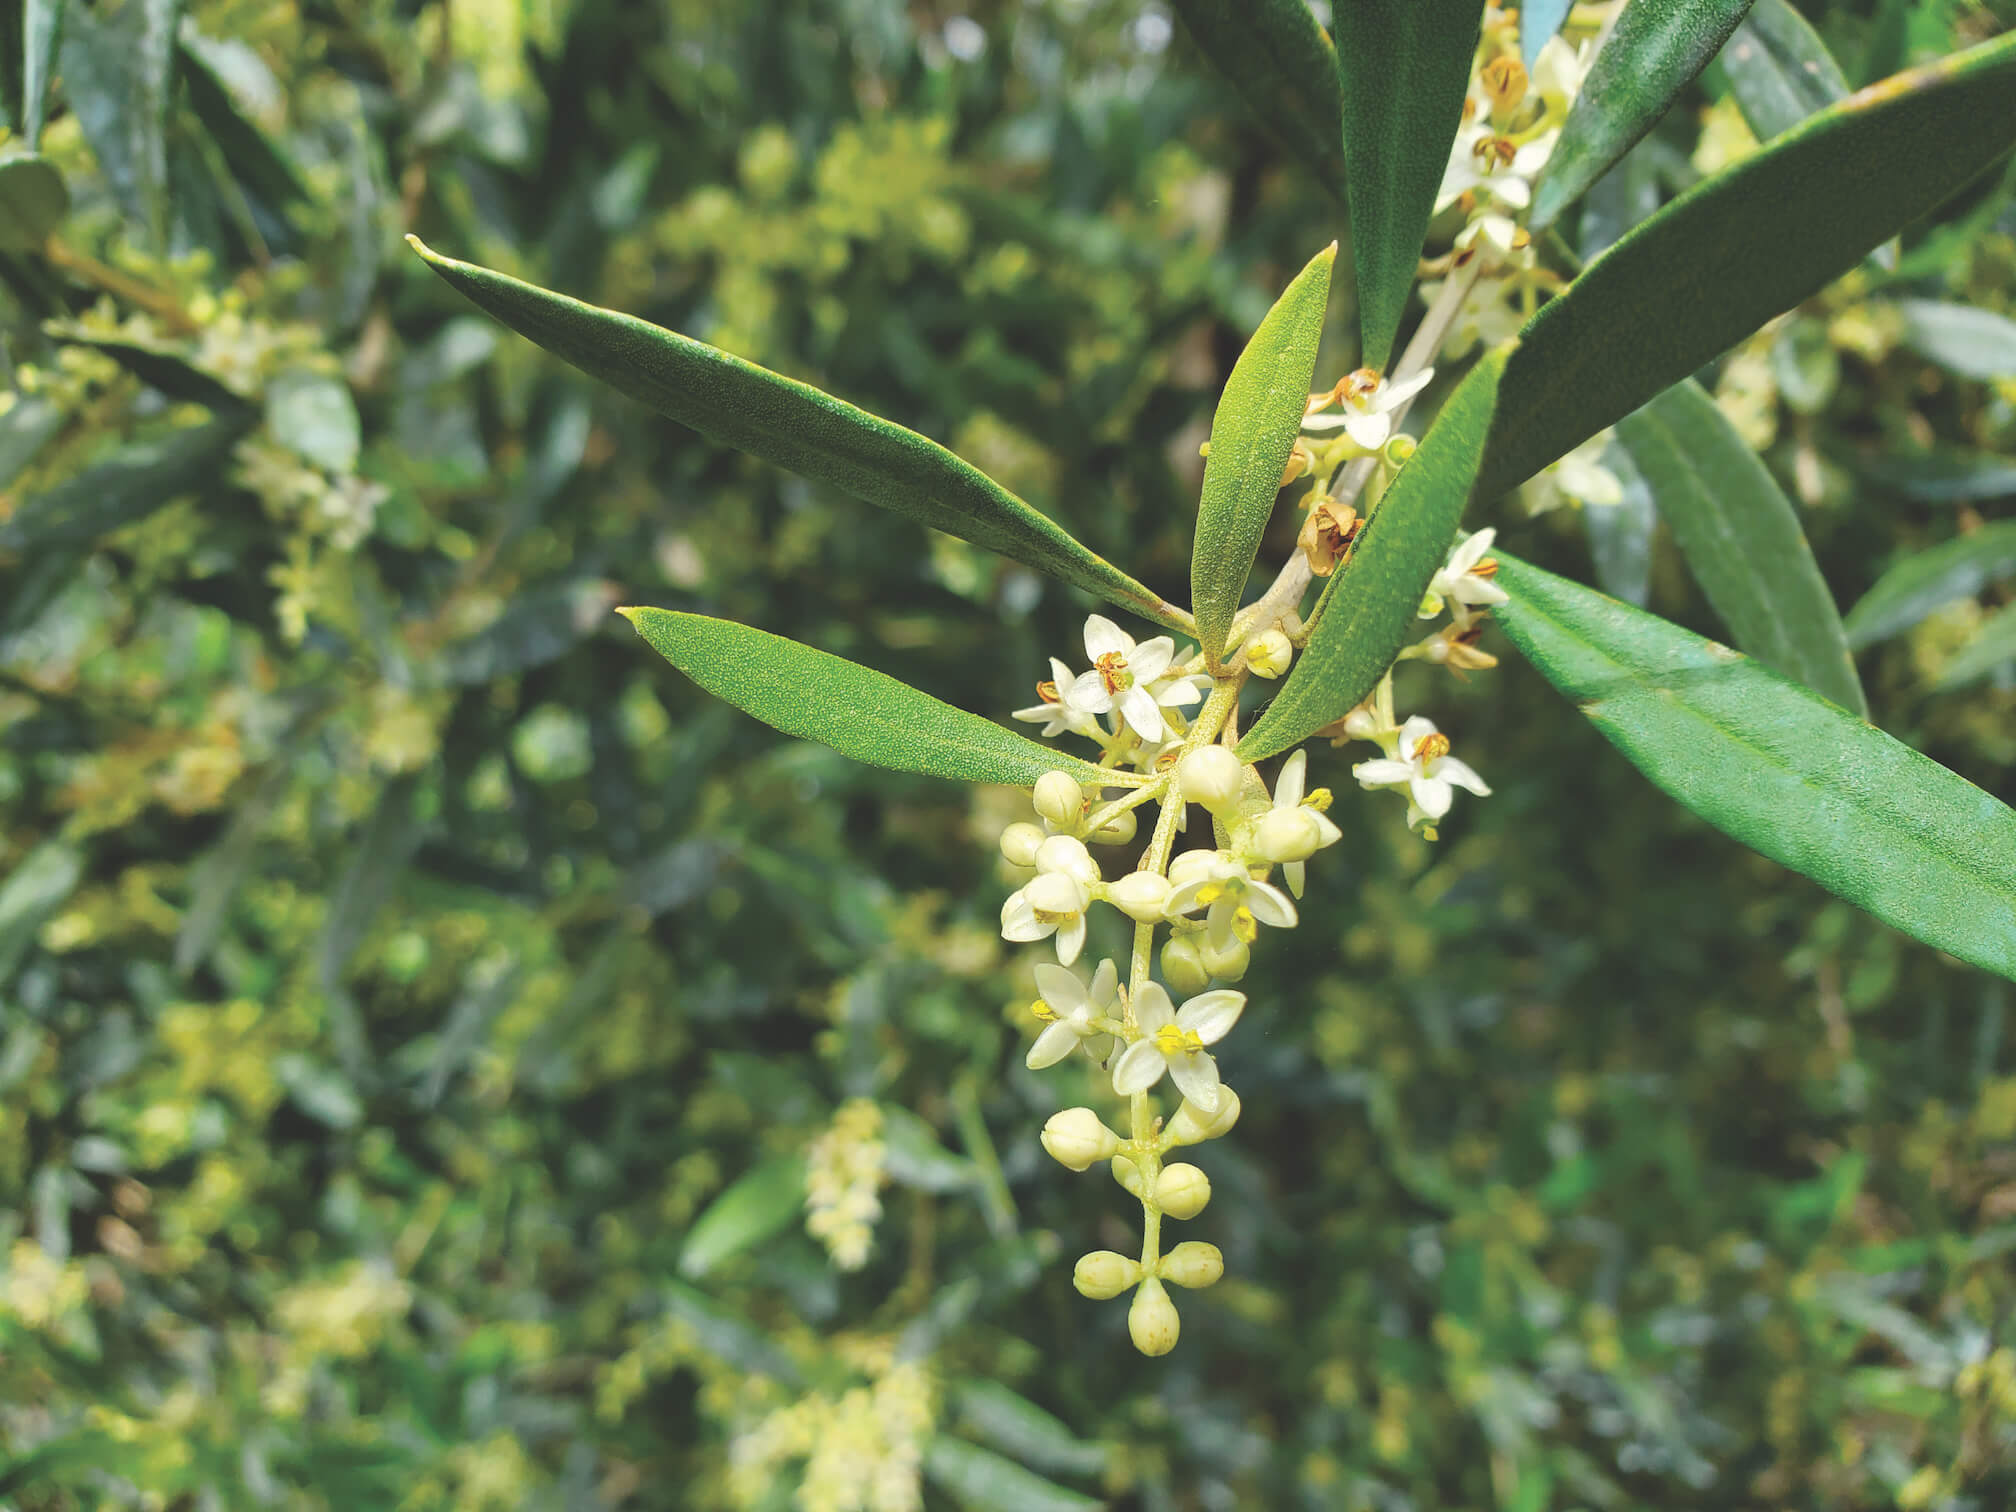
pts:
[396, 962]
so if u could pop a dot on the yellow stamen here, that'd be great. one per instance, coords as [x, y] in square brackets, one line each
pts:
[1173, 1039]
[1112, 670]
[1431, 748]
[1046, 692]
[1043, 1011]
[1244, 927]
[1486, 567]
[1319, 800]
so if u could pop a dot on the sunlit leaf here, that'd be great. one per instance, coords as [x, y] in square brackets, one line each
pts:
[1970, 342]
[1780, 768]
[756, 1207]
[1023, 1431]
[1404, 66]
[1930, 579]
[1252, 433]
[41, 35]
[313, 415]
[118, 75]
[1283, 66]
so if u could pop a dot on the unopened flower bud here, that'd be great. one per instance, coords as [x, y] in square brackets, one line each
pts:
[1210, 775]
[1191, 1125]
[1019, 842]
[1059, 799]
[1066, 856]
[1290, 834]
[1140, 895]
[1116, 831]
[1361, 723]
[1182, 1190]
[1229, 964]
[1193, 1264]
[1128, 1175]
[1055, 895]
[1192, 866]
[1268, 654]
[1103, 1274]
[1183, 966]
[1152, 1320]
[1076, 1138]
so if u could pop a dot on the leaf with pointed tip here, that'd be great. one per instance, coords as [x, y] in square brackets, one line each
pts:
[1778, 767]
[1930, 579]
[1654, 52]
[1539, 20]
[1404, 67]
[33, 202]
[158, 364]
[857, 711]
[1969, 342]
[1993, 647]
[1742, 537]
[129, 485]
[41, 35]
[118, 73]
[1253, 431]
[1744, 246]
[1278, 59]
[796, 426]
[1779, 70]
[1940, 477]
[1374, 601]
[984, 1481]
[756, 1207]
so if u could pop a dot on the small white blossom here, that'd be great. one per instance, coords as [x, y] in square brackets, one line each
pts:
[1466, 580]
[1056, 711]
[1221, 883]
[1173, 1040]
[1121, 678]
[1579, 478]
[1368, 402]
[1071, 1012]
[1053, 903]
[1292, 831]
[1424, 768]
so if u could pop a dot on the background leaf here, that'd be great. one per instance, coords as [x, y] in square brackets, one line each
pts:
[118, 74]
[1993, 647]
[1654, 51]
[33, 202]
[758, 1206]
[1929, 579]
[1745, 246]
[1971, 342]
[857, 711]
[1743, 539]
[1779, 71]
[1285, 69]
[1621, 535]
[983, 1480]
[41, 35]
[1616, 202]
[1252, 433]
[1372, 604]
[795, 426]
[1941, 477]
[131, 484]
[1780, 768]
[1404, 67]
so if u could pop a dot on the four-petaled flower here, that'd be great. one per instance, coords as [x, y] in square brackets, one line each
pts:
[1424, 767]
[1292, 830]
[1056, 710]
[1236, 902]
[1466, 580]
[1369, 402]
[1121, 673]
[1071, 1013]
[1055, 899]
[1173, 1040]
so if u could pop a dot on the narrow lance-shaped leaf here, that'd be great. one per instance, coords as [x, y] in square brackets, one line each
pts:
[1993, 647]
[33, 202]
[757, 1207]
[796, 426]
[1778, 767]
[1742, 537]
[1404, 66]
[1927, 580]
[1940, 477]
[1374, 601]
[1278, 59]
[1621, 534]
[1963, 340]
[859, 712]
[1653, 52]
[1252, 434]
[1779, 70]
[129, 485]
[986, 1482]
[1745, 246]
[41, 34]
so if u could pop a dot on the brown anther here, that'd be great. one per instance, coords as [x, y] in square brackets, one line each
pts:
[1112, 670]
[1504, 81]
[1046, 692]
[1487, 567]
[1362, 384]
[1493, 152]
[1432, 747]
[1521, 238]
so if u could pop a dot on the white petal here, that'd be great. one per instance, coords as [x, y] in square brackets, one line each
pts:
[1392, 395]
[1270, 905]
[1382, 771]
[1052, 1045]
[1060, 987]
[1509, 189]
[1185, 900]
[1413, 732]
[1105, 983]
[1019, 922]
[1197, 1078]
[1151, 658]
[1211, 1015]
[1292, 873]
[1071, 936]
[1472, 589]
[1057, 893]
[1040, 713]
[1088, 694]
[1431, 795]
[1179, 694]
[1104, 638]
[1152, 1009]
[1098, 1046]
[1288, 786]
[1449, 769]
[1329, 422]
[1142, 712]
[1327, 828]
[1369, 431]
[1470, 551]
[1061, 675]
[1139, 1069]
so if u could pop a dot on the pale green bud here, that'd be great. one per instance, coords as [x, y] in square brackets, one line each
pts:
[1066, 856]
[1182, 1190]
[1140, 895]
[1183, 966]
[1059, 799]
[1019, 843]
[1229, 964]
[1103, 1274]
[1290, 834]
[1191, 1125]
[1268, 654]
[1152, 1320]
[1076, 1138]
[1118, 830]
[1193, 1264]
[1211, 775]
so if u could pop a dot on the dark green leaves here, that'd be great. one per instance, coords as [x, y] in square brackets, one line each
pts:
[1373, 602]
[1654, 52]
[796, 426]
[129, 485]
[1721, 260]
[118, 73]
[1252, 434]
[1780, 768]
[1928, 579]
[1276, 56]
[857, 711]
[1779, 70]
[1404, 66]
[1742, 537]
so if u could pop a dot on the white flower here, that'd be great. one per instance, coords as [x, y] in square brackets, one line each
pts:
[1369, 402]
[1424, 768]
[1578, 478]
[1173, 1040]
[1056, 900]
[1490, 312]
[1056, 711]
[1559, 70]
[1466, 579]
[1121, 673]
[1216, 881]
[1292, 831]
[1071, 1011]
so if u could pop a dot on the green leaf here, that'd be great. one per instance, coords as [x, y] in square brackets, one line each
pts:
[1993, 646]
[914, 1157]
[118, 72]
[33, 202]
[1942, 477]
[1283, 66]
[1779, 71]
[1742, 537]
[38, 885]
[1745, 246]
[131, 484]
[982, 1480]
[1252, 433]
[158, 364]
[538, 626]
[1619, 200]
[41, 35]
[1654, 51]
[1404, 67]
[1621, 534]
[798, 427]
[1930, 579]
[1539, 20]
[1373, 603]
[313, 415]
[1023, 1431]
[1962, 339]
[757, 1207]
[858, 712]
[1778, 767]
[260, 166]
